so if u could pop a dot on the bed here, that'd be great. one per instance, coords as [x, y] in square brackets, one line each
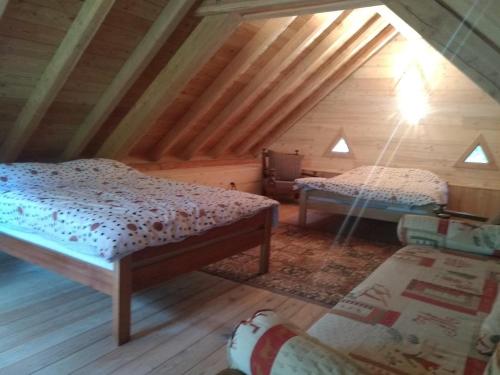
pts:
[374, 192]
[119, 231]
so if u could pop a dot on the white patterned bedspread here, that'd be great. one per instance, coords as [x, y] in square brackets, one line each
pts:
[419, 313]
[104, 208]
[414, 187]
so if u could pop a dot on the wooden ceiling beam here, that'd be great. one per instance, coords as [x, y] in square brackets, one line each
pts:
[282, 60]
[363, 36]
[327, 87]
[92, 13]
[279, 8]
[266, 36]
[321, 53]
[199, 47]
[457, 39]
[163, 27]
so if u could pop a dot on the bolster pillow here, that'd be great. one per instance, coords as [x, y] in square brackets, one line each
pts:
[265, 345]
[481, 239]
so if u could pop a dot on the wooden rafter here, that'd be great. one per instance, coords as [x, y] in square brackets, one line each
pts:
[79, 35]
[453, 36]
[159, 32]
[366, 34]
[239, 65]
[277, 8]
[327, 87]
[482, 15]
[321, 53]
[282, 60]
[198, 48]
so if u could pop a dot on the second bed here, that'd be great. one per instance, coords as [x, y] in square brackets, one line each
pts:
[374, 192]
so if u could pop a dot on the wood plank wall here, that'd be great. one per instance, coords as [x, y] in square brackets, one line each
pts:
[366, 108]
[247, 176]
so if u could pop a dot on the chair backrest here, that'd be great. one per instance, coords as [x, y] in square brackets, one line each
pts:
[284, 167]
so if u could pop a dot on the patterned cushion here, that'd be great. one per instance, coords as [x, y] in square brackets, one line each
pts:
[489, 333]
[287, 167]
[265, 345]
[452, 234]
[419, 313]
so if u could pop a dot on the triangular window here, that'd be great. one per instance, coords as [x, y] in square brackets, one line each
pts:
[477, 155]
[341, 146]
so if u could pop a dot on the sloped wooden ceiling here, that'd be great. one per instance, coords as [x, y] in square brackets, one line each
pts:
[182, 79]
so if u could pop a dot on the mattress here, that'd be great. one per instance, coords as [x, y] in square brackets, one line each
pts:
[105, 209]
[55, 246]
[411, 187]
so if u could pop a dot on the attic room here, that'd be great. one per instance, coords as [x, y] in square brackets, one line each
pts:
[249, 187]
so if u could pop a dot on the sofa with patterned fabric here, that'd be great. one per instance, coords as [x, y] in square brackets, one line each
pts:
[420, 312]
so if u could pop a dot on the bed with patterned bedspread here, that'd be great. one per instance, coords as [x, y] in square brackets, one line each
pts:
[375, 192]
[104, 208]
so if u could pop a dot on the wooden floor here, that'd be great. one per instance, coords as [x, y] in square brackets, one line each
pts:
[50, 325]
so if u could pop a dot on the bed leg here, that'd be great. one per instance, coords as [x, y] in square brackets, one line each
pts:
[122, 298]
[303, 208]
[265, 247]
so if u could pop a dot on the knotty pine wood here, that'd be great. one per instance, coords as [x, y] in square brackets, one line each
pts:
[366, 107]
[68, 53]
[247, 177]
[179, 328]
[30, 32]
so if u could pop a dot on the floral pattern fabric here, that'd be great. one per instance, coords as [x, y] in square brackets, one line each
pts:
[473, 237]
[419, 313]
[266, 345]
[413, 187]
[107, 209]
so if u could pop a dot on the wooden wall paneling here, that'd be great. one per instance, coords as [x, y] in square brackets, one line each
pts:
[365, 34]
[327, 86]
[277, 8]
[239, 65]
[321, 53]
[202, 44]
[247, 177]
[478, 201]
[160, 31]
[90, 17]
[455, 39]
[281, 61]
[196, 87]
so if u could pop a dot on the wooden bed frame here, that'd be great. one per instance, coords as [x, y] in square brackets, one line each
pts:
[318, 199]
[153, 265]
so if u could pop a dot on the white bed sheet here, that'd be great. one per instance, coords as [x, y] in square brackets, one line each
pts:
[56, 247]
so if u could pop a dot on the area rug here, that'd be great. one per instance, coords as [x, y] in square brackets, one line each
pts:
[317, 266]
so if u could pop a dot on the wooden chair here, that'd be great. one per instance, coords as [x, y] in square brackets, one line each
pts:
[279, 173]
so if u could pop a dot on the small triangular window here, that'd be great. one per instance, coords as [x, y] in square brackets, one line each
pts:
[341, 146]
[477, 156]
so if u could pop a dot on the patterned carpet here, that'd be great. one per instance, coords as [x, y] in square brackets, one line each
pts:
[313, 265]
